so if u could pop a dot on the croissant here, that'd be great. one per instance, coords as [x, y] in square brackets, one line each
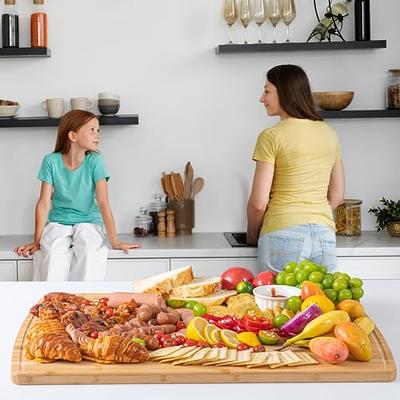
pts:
[108, 349]
[48, 341]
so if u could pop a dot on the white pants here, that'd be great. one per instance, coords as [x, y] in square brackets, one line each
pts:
[75, 253]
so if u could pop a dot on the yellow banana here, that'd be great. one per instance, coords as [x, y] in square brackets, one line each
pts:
[319, 326]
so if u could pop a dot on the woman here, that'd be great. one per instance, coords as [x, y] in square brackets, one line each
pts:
[298, 180]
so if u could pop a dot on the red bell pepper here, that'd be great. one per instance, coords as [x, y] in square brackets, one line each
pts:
[252, 323]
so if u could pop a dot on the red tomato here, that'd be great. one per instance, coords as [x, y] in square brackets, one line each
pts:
[242, 346]
[169, 342]
[158, 335]
[259, 349]
[163, 338]
[109, 312]
[94, 334]
[190, 343]
[103, 300]
[219, 344]
[202, 343]
[180, 325]
[180, 340]
[232, 276]
[264, 278]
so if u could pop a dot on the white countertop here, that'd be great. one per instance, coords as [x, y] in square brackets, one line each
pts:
[17, 298]
[370, 243]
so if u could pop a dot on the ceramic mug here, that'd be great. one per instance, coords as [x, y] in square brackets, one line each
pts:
[81, 103]
[108, 103]
[54, 107]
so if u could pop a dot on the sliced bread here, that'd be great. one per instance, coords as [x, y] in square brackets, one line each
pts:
[199, 287]
[213, 300]
[165, 282]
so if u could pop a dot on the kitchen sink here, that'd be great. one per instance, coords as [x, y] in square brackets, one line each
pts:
[237, 239]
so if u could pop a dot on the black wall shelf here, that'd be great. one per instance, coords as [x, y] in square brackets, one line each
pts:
[22, 52]
[299, 46]
[361, 114]
[32, 122]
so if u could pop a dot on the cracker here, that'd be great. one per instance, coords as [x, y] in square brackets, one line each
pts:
[164, 351]
[181, 353]
[258, 360]
[242, 357]
[222, 353]
[307, 359]
[290, 358]
[212, 355]
[198, 356]
[231, 355]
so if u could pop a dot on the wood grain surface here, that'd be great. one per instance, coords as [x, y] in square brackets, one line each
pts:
[381, 368]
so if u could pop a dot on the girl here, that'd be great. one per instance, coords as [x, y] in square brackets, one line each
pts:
[299, 177]
[74, 190]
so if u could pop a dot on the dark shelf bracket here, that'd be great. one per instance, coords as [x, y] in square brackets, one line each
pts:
[23, 52]
[361, 114]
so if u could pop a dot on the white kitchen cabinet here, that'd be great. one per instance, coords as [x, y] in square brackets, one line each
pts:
[214, 266]
[122, 270]
[8, 271]
[25, 270]
[370, 267]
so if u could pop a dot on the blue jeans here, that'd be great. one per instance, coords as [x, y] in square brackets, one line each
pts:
[295, 243]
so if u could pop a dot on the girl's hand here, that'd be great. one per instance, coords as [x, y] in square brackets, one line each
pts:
[28, 249]
[125, 246]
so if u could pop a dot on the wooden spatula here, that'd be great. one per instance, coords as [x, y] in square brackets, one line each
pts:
[168, 186]
[177, 185]
[198, 185]
[188, 183]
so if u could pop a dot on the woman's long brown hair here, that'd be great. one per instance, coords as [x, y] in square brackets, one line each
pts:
[294, 91]
[71, 121]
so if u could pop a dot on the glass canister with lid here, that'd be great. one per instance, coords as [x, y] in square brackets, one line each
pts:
[158, 204]
[142, 223]
[393, 89]
[348, 218]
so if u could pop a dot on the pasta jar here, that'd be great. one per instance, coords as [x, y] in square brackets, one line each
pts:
[393, 89]
[348, 218]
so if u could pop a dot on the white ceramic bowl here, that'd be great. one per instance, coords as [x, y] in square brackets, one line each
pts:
[8, 111]
[264, 298]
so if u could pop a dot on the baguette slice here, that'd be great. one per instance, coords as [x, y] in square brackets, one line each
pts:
[165, 282]
[213, 300]
[199, 287]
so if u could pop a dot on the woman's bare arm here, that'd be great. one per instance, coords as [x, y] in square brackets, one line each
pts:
[336, 185]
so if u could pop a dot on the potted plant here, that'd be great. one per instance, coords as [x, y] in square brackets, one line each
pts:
[388, 216]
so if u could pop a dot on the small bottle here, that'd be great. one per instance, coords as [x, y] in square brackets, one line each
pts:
[10, 25]
[362, 20]
[39, 25]
[170, 223]
[154, 207]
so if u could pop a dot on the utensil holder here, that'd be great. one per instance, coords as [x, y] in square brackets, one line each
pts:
[184, 215]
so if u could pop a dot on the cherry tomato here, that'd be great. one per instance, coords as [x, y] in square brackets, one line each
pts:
[103, 308]
[109, 312]
[242, 346]
[169, 342]
[259, 349]
[219, 344]
[163, 338]
[180, 340]
[180, 325]
[190, 343]
[158, 335]
[94, 334]
[202, 343]
[104, 300]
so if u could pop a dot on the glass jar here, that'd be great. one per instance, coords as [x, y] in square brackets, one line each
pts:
[142, 223]
[348, 218]
[158, 204]
[393, 89]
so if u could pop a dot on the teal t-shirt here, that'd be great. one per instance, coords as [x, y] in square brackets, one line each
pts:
[74, 192]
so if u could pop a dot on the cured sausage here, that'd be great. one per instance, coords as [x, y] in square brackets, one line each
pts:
[117, 298]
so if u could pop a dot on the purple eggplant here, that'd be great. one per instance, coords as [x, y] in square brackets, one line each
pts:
[300, 320]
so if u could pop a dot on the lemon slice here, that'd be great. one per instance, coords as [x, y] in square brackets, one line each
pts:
[230, 338]
[215, 335]
[249, 338]
[208, 334]
[195, 328]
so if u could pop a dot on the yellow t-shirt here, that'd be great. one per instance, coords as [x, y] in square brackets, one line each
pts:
[303, 152]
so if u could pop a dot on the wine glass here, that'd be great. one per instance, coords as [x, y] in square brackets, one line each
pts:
[288, 14]
[259, 15]
[245, 16]
[274, 14]
[230, 16]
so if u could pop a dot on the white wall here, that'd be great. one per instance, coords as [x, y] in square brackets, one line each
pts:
[193, 105]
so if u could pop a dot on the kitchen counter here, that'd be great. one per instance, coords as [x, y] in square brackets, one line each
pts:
[369, 244]
[382, 308]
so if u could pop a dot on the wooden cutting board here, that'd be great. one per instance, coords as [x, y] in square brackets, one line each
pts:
[381, 368]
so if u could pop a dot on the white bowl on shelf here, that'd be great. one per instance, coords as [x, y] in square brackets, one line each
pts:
[8, 111]
[265, 299]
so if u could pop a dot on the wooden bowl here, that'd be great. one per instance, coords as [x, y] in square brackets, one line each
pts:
[333, 101]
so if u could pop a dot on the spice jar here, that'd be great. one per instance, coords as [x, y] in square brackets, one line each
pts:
[10, 25]
[393, 89]
[39, 25]
[142, 223]
[154, 207]
[348, 218]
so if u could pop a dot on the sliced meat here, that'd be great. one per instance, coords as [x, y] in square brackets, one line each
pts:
[117, 298]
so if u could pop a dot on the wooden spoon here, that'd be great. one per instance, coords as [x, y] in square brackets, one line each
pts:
[177, 185]
[198, 185]
[188, 181]
[168, 186]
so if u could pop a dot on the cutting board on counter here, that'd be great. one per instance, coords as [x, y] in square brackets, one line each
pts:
[381, 368]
